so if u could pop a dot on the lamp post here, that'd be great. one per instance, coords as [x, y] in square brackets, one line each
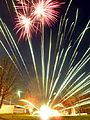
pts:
[19, 93]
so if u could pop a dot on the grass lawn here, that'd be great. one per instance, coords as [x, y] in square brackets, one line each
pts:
[28, 117]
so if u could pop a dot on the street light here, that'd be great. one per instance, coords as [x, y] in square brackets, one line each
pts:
[19, 93]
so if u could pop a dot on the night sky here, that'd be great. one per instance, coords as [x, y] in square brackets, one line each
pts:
[84, 16]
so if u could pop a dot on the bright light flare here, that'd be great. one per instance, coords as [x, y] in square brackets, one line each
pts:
[46, 112]
[46, 11]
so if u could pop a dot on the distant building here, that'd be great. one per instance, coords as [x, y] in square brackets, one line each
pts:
[10, 109]
[7, 109]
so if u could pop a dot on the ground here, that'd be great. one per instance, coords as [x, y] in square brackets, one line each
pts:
[28, 117]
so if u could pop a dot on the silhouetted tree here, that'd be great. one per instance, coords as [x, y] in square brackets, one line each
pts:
[8, 76]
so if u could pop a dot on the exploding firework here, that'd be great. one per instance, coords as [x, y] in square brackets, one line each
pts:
[25, 26]
[63, 79]
[25, 23]
[34, 15]
[46, 11]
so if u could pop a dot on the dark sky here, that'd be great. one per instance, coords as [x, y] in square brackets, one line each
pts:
[84, 16]
[83, 6]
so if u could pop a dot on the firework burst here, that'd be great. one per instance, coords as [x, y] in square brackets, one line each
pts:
[46, 11]
[24, 25]
[31, 16]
